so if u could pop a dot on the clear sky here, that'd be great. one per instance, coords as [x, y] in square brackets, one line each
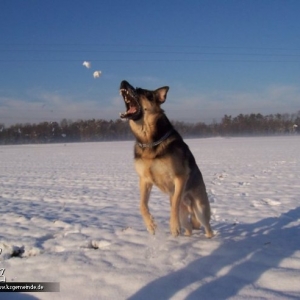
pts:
[218, 57]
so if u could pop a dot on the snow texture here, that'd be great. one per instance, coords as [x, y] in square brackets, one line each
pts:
[97, 74]
[70, 214]
[87, 64]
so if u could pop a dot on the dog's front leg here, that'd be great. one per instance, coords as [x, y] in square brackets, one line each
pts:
[145, 189]
[175, 204]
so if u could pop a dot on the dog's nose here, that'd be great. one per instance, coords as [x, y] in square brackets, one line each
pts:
[123, 84]
[126, 85]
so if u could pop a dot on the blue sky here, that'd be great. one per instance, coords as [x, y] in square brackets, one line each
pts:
[218, 57]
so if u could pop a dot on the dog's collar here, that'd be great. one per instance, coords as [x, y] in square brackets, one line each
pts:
[151, 145]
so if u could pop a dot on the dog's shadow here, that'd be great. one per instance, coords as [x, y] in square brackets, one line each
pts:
[248, 251]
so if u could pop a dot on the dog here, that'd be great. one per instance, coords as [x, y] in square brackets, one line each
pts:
[163, 159]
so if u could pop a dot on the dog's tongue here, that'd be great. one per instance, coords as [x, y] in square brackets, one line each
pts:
[131, 110]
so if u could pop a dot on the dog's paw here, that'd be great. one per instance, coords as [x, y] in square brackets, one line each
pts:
[175, 229]
[209, 234]
[151, 226]
[188, 232]
[175, 232]
[151, 229]
[149, 222]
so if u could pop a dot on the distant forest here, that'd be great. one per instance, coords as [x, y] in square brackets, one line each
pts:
[102, 130]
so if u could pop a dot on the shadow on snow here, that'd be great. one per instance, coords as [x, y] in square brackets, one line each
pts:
[248, 251]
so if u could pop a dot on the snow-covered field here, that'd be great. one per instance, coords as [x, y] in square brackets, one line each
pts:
[70, 214]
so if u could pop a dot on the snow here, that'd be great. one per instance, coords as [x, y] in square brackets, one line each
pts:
[87, 64]
[97, 74]
[70, 214]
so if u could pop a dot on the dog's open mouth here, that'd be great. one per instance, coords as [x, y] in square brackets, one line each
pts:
[133, 108]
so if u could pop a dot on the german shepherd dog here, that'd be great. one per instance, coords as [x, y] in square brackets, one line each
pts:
[163, 159]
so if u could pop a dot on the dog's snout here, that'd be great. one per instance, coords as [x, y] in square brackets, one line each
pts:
[126, 85]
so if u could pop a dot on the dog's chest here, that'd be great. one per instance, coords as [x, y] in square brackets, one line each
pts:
[158, 172]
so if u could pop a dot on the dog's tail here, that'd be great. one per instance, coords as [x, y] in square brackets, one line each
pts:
[201, 210]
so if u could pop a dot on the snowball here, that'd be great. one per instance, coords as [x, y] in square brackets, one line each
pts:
[87, 64]
[97, 74]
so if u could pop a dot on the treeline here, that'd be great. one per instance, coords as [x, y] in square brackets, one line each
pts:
[102, 130]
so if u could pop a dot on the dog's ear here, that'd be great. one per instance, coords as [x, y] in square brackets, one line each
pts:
[161, 94]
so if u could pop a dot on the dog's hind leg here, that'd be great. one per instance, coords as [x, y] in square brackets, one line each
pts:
[184, 216]
[201, 209]
[145, 189]
[195, 223]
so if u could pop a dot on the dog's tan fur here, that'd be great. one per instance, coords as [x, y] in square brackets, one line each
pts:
[169, 165]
